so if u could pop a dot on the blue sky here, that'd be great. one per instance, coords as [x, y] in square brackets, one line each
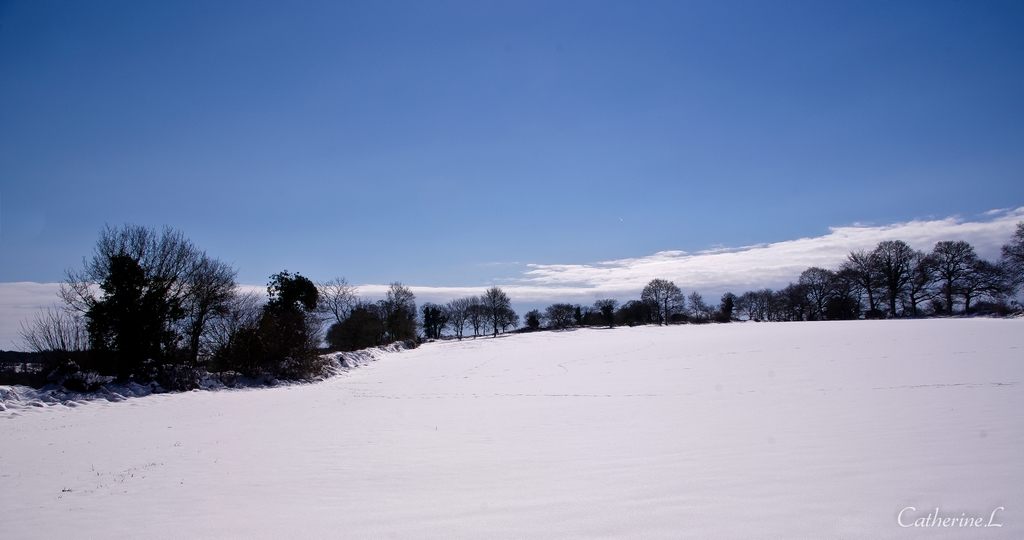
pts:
[453, 145]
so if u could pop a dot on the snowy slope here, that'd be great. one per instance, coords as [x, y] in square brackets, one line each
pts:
[785, 430]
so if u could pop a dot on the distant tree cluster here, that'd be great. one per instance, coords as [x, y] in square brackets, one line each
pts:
[150, 307]
[279, 338]
[894, 280]
[154, 309]
[365, 324]
[661, 302]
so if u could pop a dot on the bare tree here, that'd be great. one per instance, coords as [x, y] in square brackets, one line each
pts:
[817, 286]
[1013, 257]
[234, 337]
[953, 262]
[792, 303]
[758, 305]
[508, 319]
[209, 286]
[636, 312]
[922, 277]
[158, 306]
[398, 311]
[863, 267]
[893, 258]
[983, 278]
[458, 315]
[773, 304]
[667, 296]
[54, 329]
[337, 298]
[606, 307]
[475, 314]
[498, 309]
[699, 309]
[167, 258]
[560, 315]
[845, 297]
[746, 305]
[201, 285]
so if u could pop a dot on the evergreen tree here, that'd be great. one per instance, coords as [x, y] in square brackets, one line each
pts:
[435, 318]
[726, 307]
[289, 327]
[532, 319]
[131, 326]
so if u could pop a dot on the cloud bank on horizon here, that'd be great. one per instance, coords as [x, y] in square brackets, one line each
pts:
[731, 269]
[774, 264]
[708, 272]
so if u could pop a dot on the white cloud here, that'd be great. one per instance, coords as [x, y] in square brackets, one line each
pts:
[710, 272]
[769, 265]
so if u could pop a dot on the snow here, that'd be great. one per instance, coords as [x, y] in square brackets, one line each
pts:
[770, 430]
[15, 398]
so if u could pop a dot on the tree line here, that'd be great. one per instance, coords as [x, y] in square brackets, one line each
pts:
[894, 280]
[359, 324]
[153, 308]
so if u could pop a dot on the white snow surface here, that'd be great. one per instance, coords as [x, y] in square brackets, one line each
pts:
[19, 398]
[752, 430]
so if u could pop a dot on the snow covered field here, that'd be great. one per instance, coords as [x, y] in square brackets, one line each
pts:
[773, 430]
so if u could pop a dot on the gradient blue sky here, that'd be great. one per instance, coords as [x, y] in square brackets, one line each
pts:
[451, 144]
